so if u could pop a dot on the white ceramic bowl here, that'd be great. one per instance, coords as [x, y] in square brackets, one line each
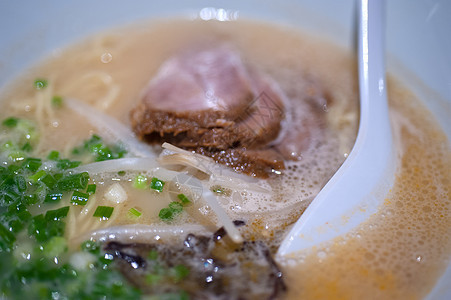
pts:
[418, 38]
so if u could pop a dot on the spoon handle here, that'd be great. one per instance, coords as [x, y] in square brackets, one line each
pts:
[372, 84]
[356, 190]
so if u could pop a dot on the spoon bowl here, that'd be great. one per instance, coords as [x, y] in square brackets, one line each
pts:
[360, 184]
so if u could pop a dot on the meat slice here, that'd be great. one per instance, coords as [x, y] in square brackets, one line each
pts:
[258, 162]
[209, 101]
[208, 98]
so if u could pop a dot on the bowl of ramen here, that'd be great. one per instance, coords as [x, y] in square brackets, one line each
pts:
[163, 151]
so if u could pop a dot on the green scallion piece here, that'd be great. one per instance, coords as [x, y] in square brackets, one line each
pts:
[183, 199]
[134, 213]
[121, 173]
[58, 176]
[71, 182]
[20, 182]
[140, 182]
[157, 184]
[91, 246]
[30, 199]
[166, 214]
[36, 176]
[27, 147]
[56, 246]
[16, 156]
[65, 164]
[10, 122]
[91, 189]
[40, 84]
[57, 101]
[57, 214]
[53, 155]
[49, 181]
[53, 197]
[79, 198]
[7, 238]
[103, 212]
[43, 229]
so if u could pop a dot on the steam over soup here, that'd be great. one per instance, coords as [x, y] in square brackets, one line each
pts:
[170, 159]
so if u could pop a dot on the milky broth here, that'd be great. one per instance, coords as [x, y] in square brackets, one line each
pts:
[399, 253]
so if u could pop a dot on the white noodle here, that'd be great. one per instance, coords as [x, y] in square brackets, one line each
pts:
[113, 129]
[219, 175]
[187, 158]
[91, 82]
[120, 164]
[184, 160]
[212, 201]
[113, 90]
[142, 233]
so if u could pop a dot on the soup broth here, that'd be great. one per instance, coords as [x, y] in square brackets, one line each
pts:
[398, 253]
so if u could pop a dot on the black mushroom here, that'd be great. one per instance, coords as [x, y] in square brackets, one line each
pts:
[201, 267]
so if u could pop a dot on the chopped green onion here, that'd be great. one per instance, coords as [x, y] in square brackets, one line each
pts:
[74, 182]
[91, 189]
[20, 183]
[176, 207]
[32, 164]
[79, 198]
[57, 101]
[103, 212]
[65, 164]
[99, 150]
[30, 199]
[48, 180]
[10, 122]
[7, 239]
[43, 229]
[16, 156]
[173, 209]
[156, 184]
[183, 199]
[58, 176]
[53, 155]
[121, 173]
[57, 214]
[40, 84]
[166, 214]
[27, 147]
[53, 197]
[90, 246]
[55, 247]
[134, 213]
[140, 182]
[35, 177]
[106, 260]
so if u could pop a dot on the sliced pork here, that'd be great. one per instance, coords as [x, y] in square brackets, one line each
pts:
[211, 102]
